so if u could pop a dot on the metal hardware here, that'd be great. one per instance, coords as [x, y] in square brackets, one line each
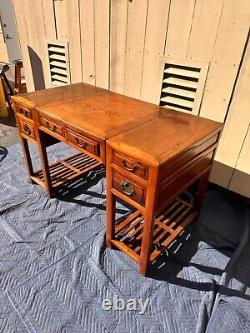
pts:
[134, 167]
[84, 145]
[127, 188]
[24, 112]
[26, 129]
[53, 128]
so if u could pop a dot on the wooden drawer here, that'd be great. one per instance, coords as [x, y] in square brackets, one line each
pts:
[83, 142]
[130, 164]
[52, 126]
[24, 111]
[185, 176]
[181, 161]
[26, 128]
[128, 188]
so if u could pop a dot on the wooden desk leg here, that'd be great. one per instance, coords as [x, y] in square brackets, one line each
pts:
[201, 191]
[149, 221]
[27, 158]
[110, 201]
[110, 218]
[45, 165]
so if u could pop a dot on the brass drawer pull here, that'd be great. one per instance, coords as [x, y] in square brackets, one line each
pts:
[84, 145]
[53, 128]
[127, 188]
[133, 169]
[26, 129]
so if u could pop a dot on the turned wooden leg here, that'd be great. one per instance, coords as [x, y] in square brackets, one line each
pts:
[27, 158]
[202, 189]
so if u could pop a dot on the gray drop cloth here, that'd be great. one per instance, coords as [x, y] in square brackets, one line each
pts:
[55, 270]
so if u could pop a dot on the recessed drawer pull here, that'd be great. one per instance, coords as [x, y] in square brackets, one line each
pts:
[84, 145]
[26, 129]
[127, 188]
[133, 169]
[52, 128]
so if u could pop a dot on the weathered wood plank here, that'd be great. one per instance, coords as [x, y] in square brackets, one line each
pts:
[74, 38]
[118, 35]
[203, 34]
[136, 29]
[23, 38]
[240, 181]
[87, 40]
[49, 19]
[61, 20]
[228, 49]
[157, 21]
[37, 47]
[179, 27]
[235, 128]
[101, 23]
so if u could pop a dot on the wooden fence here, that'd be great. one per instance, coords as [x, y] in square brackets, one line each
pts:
[117, 44]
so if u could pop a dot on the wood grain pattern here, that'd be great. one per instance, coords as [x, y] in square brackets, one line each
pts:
[101, 26]
[228, 50]
[235, 129]
[179, 27]
[118, 38]
[157, 22]
[87, 40]
[136, 28]
[206, 19]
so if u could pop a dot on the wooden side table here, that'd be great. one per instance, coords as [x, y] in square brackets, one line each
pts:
[148, 167]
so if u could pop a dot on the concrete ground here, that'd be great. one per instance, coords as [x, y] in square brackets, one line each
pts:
[8, 131]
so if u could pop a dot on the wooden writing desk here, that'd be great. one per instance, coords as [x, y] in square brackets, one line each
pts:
[152, 155]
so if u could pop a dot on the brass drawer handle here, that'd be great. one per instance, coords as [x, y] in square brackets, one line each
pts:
[84, 145]
[133, 169]
[26, 129]
[53, 128]
[127, 188]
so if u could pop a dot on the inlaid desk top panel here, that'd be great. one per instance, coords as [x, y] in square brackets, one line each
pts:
[95, 111]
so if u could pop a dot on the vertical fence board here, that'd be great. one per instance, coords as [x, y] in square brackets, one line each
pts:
[229, 46]
[179, 27]
[203, 34]
[137, 14]
[61, 20]
[118, 34]
[37, 43]
[240, 182]
[101, 24]
[23, 38]
[87, 40]
[157, 22]
[235, 127]
[49, 19]
[74, 38]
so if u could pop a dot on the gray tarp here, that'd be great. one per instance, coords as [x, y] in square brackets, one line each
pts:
[55, 270]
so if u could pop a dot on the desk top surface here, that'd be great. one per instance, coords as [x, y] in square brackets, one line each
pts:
[96, 111]
[164, 136]
[140, 127]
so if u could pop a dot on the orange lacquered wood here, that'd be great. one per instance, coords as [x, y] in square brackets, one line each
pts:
[152, 154]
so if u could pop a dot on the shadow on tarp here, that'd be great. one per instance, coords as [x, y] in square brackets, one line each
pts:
[3, 153]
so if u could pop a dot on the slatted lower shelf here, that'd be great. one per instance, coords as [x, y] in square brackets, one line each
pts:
[67, 170]
[168, 225]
